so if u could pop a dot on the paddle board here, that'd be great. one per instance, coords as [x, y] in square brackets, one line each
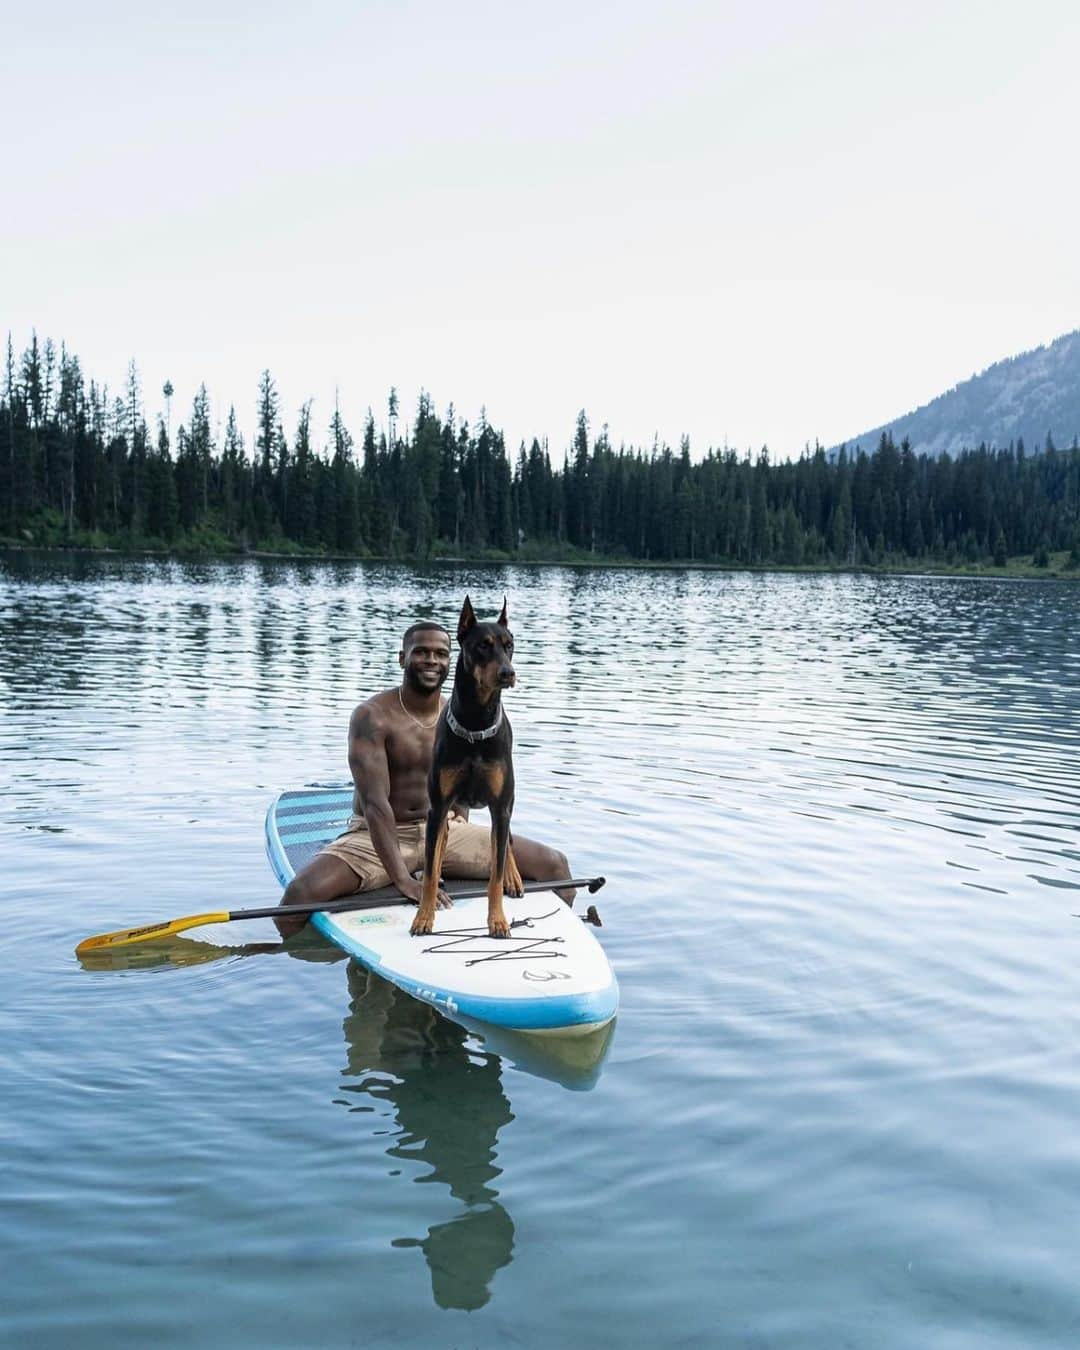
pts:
[551, 976]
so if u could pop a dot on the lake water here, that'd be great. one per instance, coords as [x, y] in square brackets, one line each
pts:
[841, 1102]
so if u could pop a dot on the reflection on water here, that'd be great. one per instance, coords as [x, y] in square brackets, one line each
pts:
[173, 953]
[443, 1082]
[448, 1103]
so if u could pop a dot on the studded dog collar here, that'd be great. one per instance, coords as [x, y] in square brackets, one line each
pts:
[472, 736]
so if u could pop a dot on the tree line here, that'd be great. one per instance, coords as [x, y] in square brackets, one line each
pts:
[81, 466]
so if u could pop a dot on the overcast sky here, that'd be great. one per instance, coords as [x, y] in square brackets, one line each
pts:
[751, 222]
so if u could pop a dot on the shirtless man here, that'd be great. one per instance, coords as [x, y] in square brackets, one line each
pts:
[391, 741]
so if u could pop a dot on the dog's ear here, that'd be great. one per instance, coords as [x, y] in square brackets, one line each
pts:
[466, 620]
[502, 613]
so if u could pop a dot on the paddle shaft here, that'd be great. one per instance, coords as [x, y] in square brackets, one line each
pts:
[377, 901]
[126, 937]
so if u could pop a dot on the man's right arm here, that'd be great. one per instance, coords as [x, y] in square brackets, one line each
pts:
[370, 769]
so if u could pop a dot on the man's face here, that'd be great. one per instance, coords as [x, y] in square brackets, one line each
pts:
[426, 660]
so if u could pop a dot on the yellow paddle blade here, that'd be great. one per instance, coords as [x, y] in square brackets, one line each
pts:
[124, 937]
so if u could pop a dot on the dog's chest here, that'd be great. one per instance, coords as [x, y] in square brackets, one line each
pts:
[474, 786]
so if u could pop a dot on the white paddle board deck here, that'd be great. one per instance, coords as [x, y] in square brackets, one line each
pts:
[551, 976]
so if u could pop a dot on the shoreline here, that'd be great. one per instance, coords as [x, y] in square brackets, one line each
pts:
[1017, 569]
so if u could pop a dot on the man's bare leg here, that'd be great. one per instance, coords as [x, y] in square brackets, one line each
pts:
[325, 878]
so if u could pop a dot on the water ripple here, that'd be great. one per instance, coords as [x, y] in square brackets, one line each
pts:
[839, 816]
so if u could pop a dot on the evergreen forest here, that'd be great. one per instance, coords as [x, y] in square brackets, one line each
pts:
[81, 467]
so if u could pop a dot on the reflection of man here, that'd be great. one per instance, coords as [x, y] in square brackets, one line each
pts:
[450, 1105]
[464, 1254]
[391, 739]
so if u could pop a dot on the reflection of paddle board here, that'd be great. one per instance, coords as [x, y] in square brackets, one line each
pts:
[550, 976]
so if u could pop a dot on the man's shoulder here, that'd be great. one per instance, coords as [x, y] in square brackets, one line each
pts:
[376, 711]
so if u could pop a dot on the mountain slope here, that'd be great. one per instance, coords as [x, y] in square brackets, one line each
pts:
[1025, 396]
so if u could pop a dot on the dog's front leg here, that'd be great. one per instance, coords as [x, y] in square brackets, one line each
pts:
[434, 848]
[512, 882]
[500, 842]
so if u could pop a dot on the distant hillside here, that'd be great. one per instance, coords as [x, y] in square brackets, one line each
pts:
[1026, 396]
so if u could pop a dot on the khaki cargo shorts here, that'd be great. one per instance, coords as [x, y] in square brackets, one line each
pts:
[468, 851]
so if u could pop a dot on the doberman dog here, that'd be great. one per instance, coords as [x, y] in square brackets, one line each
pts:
[472, 765]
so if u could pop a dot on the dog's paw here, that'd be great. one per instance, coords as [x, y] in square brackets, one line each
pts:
[498, 927]
[422, 925]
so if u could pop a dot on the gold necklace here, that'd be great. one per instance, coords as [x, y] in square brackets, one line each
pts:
[425, 726]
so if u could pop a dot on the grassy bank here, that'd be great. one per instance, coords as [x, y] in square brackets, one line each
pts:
[47, 531]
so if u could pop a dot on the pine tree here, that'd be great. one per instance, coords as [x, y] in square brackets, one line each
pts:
[232, 478]
[759, 514]
[162, 509]
[577, 523]
[267, 441]
[201, 450]
[187, 480]
[791, 537]
[346, 516]
[449, 499]
[298, 515]
[137, 451]
[9, 486]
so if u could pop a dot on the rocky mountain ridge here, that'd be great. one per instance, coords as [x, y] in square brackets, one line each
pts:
[1029, 397]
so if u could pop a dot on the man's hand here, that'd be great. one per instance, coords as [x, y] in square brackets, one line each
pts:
[412, 889]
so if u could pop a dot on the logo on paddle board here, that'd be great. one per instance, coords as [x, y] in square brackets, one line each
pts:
[446, 1001]
[544, 975]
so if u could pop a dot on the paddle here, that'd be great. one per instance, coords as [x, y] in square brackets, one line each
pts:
[125, 937]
